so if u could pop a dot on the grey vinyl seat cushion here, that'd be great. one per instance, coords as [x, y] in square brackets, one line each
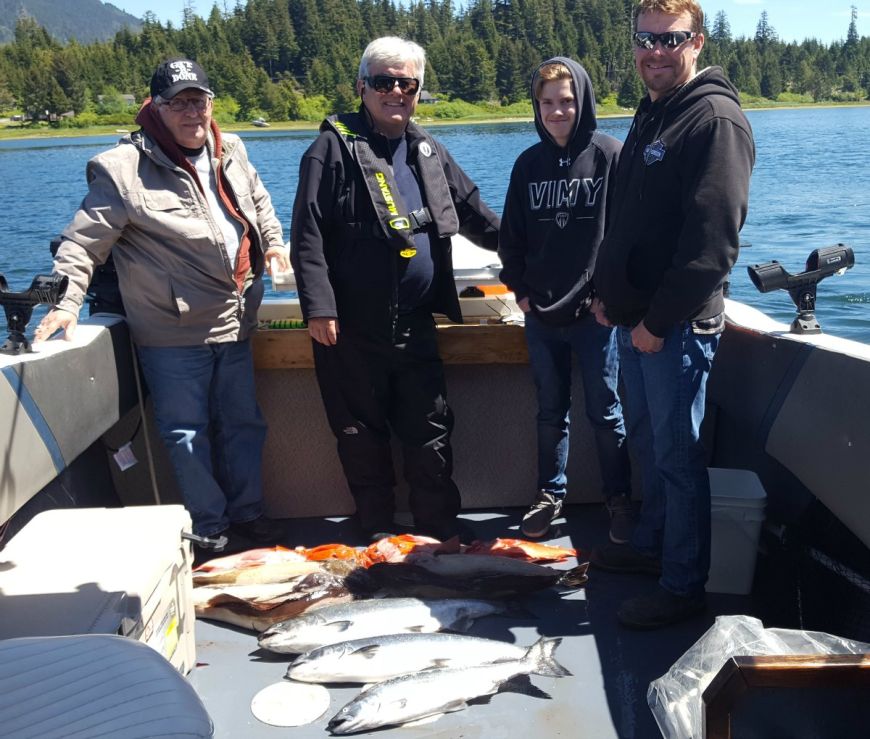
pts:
[94, 685]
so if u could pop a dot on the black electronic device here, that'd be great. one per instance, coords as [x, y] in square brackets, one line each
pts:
[821, 263]
[47, 289]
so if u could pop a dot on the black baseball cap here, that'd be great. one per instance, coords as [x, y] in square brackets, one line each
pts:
[175, 75]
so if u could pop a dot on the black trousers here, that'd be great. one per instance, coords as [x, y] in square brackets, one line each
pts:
[370, 387]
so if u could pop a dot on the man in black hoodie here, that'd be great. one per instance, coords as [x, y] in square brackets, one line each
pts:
[377, 202]
[554, 218]
[682, 191]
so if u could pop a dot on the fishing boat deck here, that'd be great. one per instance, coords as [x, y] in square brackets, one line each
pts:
[611, 666]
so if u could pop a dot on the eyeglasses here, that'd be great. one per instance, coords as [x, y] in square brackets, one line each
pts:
[669, 39]
[384, 83]
[180, 105]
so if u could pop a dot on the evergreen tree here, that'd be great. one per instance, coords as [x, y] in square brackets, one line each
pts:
[630, 92]
[765, 34]
[68, 66]
[771, 78]
[510, 77]
[478, 82]
[852, 34]
[294, 57]
[720, 34]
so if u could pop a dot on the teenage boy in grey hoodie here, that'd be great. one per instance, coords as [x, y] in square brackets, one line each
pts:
[554, 219]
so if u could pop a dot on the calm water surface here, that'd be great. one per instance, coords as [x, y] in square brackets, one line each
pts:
[810, 189]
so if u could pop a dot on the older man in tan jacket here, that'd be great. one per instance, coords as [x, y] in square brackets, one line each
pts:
[190, 227]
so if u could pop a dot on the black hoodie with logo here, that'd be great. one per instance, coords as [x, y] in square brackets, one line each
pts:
[681, 196]
[556, 209]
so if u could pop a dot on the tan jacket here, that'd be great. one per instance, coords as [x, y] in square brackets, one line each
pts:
[174, 273]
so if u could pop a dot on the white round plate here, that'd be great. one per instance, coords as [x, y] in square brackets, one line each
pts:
[290, 703]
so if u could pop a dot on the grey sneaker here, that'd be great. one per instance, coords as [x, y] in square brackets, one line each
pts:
[536, 523]
[621, 518]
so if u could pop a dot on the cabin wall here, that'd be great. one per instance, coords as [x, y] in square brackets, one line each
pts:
[494, 442]
[747, 386]
[793, 409]
[790, 408]
[491, 391]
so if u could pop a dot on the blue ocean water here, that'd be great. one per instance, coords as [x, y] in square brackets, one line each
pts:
[810, 189]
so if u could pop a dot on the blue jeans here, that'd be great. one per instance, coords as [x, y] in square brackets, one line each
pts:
[664, 408]
[550, 350]
[207, 416]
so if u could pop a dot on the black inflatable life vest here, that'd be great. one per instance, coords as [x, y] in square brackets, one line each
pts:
[396, 223]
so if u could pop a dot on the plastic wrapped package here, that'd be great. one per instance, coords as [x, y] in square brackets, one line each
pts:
[675, 697]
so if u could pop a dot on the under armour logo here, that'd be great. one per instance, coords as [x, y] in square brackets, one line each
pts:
[561, 219]
[566, 162]
[425, 149]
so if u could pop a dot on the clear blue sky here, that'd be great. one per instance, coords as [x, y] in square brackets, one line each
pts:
[793, 20]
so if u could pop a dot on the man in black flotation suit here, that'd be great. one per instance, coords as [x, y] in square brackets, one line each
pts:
[377, 202]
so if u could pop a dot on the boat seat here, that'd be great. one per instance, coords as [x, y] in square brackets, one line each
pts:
[94, 685]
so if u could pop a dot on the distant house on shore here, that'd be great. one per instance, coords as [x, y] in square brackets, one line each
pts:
[428, 97]
[126, 98]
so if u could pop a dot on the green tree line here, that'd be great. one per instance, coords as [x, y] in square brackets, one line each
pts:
[297, 59]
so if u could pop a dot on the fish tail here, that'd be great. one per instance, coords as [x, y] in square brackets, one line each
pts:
[542, 660]
[576, 577]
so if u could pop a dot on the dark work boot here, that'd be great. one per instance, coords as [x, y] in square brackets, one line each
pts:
[623, 558]
[621, 513]
[659, 608]
[261, 530]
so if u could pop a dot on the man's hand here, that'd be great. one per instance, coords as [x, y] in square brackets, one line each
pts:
[523, 305]
[600, 312]
[278, 253]
[644, 341]
[54, 320]
[324, 330]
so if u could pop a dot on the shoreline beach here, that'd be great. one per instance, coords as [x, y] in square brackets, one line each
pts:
[12, 133]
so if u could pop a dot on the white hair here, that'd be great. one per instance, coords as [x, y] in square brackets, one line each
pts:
[393, 51]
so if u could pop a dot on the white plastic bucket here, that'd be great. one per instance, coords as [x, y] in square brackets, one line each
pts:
[738, 500]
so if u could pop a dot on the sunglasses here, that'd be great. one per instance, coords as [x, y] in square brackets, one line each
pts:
[384, 83]
[669, 39]
[180, 105]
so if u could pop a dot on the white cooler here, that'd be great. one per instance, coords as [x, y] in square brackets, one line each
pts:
[737, 501]
[123, 571]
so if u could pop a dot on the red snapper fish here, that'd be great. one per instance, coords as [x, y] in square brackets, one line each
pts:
[251, 558]
[396, 548]
[521, 549]
[274, 564]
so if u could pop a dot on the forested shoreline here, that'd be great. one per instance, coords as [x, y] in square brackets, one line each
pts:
[296, 60]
